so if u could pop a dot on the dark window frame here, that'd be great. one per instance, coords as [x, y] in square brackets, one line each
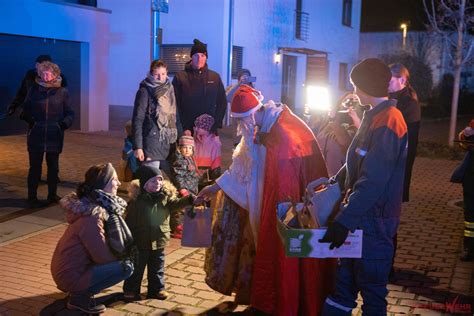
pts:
[237, 60]
[347, 13]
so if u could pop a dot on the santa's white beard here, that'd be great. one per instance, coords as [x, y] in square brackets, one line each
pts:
[245, 152]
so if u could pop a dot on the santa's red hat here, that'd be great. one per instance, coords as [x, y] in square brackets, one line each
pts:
[246, 100]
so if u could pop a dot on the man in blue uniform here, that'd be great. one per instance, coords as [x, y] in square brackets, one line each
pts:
[373, 180]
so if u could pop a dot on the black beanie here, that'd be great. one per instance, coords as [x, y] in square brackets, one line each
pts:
[198, 47]
[42, 58]
[372, 76]
[147, 171]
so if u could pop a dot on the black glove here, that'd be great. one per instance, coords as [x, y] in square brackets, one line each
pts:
[62, 125]
[336, 235]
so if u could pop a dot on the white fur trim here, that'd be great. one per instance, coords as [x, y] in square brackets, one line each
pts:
[244, 114]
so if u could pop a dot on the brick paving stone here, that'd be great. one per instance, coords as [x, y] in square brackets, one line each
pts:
[185, 300]
[176, 273]
[196, 277]
[192, 310]
[161, 304]
[137, 308]
[195, 270]
[426, 312]
[399, 309]
[182, 290]
[193, 262]
[401, 294]
[178, 281]
[201, 286]
[208, 295]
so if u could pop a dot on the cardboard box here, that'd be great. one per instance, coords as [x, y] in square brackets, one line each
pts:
[304, 243]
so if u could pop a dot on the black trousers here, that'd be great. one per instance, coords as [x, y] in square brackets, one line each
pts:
[468, 195]
[34, 173]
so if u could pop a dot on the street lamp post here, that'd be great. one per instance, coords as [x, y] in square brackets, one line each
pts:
[404, 38]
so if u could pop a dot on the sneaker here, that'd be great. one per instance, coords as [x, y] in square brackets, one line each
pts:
[161, 295]
[53, 199]
[85, 304]
[35, 203]
[131, 297]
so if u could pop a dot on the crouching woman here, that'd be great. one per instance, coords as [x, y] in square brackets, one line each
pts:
[91, 254]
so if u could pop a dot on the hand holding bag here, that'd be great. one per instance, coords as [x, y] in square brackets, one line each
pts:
[197, 231]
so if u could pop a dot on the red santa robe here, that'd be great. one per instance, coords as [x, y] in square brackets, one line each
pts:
[281, 285]
[292, 159]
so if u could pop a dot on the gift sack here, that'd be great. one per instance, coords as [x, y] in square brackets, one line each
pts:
[197, 227]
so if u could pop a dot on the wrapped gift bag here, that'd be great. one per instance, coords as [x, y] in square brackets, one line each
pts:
[197, 227]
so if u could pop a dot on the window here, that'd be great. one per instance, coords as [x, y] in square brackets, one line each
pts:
[237, 58]
[347, 12]
[301, 22]
[343, 76]
[175, 56]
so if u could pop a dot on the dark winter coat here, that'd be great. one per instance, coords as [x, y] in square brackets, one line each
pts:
[28, 82]
[48, 113]
[186, 173]
[198, 92]
[145, 130]
[411, 112]
[148, 214]
[374, 175]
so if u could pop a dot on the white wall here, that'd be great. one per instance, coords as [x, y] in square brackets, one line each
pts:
[206, 20]
[74, 23]
[130, 47]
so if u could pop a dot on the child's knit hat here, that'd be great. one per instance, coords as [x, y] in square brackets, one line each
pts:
[186, 141]
[204, 121]
[147, 171]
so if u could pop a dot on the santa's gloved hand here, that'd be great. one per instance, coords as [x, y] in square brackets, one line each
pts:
[336, 235]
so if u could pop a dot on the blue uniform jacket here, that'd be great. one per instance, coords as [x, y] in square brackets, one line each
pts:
[374, 173]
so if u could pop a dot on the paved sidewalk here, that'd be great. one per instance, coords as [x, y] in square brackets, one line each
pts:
[429, 275]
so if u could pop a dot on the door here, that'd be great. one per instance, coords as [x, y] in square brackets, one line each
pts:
[288, 84]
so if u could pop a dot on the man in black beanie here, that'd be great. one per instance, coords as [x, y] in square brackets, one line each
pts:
[199, 90]
[372, 179]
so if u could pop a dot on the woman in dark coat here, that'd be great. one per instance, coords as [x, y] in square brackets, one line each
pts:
[155, 122]
[48, 113]
[407, 102]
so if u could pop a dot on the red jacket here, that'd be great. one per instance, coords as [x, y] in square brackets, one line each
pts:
[82, 245]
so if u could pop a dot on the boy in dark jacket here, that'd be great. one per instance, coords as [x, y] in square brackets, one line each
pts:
[152, 200]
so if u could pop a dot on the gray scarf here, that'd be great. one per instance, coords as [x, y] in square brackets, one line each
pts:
[163, 95]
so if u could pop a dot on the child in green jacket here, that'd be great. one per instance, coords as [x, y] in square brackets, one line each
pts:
[152, 200]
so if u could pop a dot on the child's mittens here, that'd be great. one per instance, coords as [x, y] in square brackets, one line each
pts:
[183, 192]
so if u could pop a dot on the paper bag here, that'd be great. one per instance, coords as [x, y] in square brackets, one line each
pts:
[197, 227]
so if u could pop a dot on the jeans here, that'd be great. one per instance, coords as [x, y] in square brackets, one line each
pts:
[34, 173]
[109, 274]
[370, 277]
[154, 260]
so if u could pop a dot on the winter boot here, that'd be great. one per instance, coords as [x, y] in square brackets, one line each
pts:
[85, 303]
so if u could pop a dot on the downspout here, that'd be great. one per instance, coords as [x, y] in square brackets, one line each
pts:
[229, 53]
[154, 31]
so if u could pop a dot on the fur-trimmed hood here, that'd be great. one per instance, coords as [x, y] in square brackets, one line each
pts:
[169, 190]
[76, 208]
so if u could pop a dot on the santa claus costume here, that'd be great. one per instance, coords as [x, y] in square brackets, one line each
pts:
[247, 256]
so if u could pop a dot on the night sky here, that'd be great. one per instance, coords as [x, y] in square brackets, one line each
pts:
[387, 15]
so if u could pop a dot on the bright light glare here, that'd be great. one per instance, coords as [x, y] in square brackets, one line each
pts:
[317, 98]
